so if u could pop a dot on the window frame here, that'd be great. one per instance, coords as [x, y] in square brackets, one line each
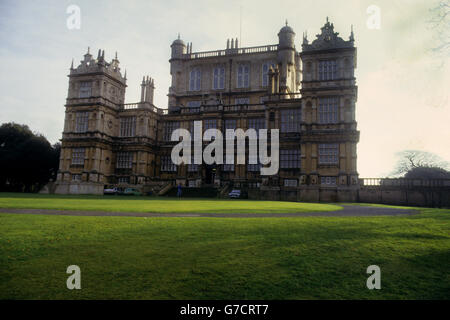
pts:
[81, 121]
[169, 127]
[195, 79]
[290, 120]
[328, 110]
[167, 165]
[328, 154]
[290, 158]
[328, 181]
[243, 76]
[85, 89]
[218, 78]
[327, 70]
[78, 156]
[127, 126]
[124, 160]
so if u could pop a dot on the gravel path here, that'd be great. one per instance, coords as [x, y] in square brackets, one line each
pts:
[348, 211]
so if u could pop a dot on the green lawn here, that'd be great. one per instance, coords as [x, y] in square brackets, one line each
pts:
[155, 204]
[225, 258]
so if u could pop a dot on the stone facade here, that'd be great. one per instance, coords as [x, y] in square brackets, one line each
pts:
[309, 95]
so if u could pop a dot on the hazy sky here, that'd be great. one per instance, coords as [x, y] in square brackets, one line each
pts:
[403, 87]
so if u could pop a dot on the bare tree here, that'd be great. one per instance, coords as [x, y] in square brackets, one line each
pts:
[440, 21]
[411, 160]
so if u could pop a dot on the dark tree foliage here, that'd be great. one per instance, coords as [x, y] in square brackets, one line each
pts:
[27, 160]
[415, 164]
[427, 173]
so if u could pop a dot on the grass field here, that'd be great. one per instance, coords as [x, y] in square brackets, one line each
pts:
[155, 204]
[225, 258]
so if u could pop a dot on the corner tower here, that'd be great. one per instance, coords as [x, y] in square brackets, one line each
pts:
[96, 92]
[329, 129]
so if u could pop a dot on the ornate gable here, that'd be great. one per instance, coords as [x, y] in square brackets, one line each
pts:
[328, 39]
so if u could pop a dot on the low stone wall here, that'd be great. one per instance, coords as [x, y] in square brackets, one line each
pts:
[305, 193]
[79, 188]
[422, 197]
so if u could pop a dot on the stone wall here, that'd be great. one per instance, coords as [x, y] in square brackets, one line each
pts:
[439, 197]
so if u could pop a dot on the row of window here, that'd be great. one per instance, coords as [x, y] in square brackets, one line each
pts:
[127, 124]
[290, 122]
[218, 77]
[328, 112]
[85, 90]
[327, 181]
[289, 158]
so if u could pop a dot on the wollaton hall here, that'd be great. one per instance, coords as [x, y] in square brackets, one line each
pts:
[309, 96]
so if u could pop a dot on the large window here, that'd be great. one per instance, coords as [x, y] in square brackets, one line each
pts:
[257, 123]
[219, 78]
[78, 156]
[329, 153]
[123, 180]
[85, 89]
[328, 110]
[327, 70]
[167, 164]
[127, 126]
[81, 121]
[210, 124]
[124, 160]
[265, 73]
[169, 127]
[290, 182]
[195, 79]
[230, 124]
[290, 120]
[243, 76]
[290, 158]
[328, 181]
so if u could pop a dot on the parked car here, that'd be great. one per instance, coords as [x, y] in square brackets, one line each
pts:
[132, 192]
[236, 194]
[110, 190]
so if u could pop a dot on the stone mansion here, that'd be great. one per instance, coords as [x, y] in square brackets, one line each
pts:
[309, 95]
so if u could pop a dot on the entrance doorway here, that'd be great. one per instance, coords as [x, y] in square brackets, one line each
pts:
[210, 173]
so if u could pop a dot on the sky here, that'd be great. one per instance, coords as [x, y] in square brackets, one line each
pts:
[403, 85]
